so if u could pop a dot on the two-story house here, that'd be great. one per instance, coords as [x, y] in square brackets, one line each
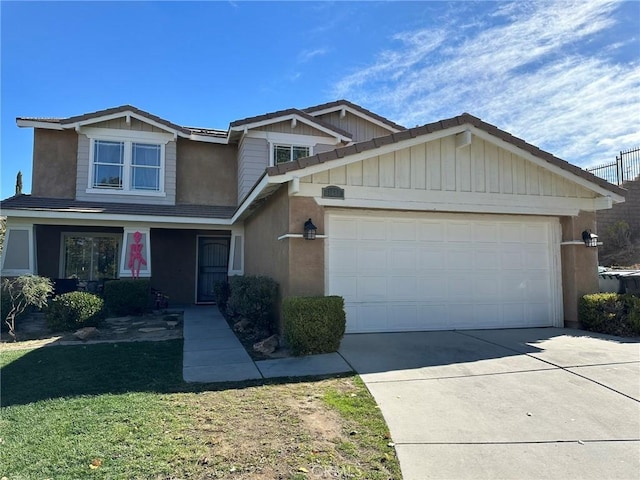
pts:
[454, 224]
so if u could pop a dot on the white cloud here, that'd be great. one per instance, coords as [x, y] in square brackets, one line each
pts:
[307, 55]
[528, 71]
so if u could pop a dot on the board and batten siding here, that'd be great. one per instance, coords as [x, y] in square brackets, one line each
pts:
[83, 178]
[285, 127]
[134, 125]
[361, 129]
[253, 159]
[437, 172]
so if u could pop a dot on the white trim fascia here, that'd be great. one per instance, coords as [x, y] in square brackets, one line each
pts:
[357, 157]
[39, 124]
[544, 164]
[291, 116]
[292, 138]
[255, 192]
[128, 193]
[354, 112]
[159, 220]
[125, 113]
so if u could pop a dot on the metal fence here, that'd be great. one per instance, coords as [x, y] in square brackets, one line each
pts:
[625, 168]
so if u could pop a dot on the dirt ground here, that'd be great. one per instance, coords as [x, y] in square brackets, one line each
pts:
[161, 325]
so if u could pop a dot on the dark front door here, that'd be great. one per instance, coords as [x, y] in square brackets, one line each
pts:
[213, 262]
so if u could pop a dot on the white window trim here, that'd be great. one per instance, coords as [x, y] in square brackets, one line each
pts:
[63, 253]
[128, 137]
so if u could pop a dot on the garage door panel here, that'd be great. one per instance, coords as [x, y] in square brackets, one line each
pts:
[407, 272]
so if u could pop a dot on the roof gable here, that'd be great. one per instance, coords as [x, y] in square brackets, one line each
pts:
[442, 128]
[345, 105]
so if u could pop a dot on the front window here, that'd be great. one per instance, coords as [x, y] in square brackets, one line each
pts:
[90, 257]
[127, 166]
[108, 158]
[289, 153]
[145, 167]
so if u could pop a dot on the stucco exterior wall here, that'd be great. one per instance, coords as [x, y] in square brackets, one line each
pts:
[206, 173]
[306, 257]
[264, 253]
[54, 163]
[579, 265]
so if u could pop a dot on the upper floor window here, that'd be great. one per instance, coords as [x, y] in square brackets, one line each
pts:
[126, 162]
[289, 153]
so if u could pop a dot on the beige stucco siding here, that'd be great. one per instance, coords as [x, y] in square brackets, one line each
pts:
[54, 163]
[360, 128]
[206, 173]
[253, 159]
[264, 254]
[84, 144]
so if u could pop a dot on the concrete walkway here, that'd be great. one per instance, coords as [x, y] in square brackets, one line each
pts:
[212, 353]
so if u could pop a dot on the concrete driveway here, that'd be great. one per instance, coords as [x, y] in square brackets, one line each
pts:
[506, 404]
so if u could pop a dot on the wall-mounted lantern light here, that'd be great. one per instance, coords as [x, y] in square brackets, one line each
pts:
[309, 230]
[590, 239]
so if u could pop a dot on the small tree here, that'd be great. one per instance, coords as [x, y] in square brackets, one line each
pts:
[25, 291]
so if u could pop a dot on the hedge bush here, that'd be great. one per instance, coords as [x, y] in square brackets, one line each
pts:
[611, 313]
[221, 294]
[313, 325]
[254, 298]
[75, 310]
[127, 297]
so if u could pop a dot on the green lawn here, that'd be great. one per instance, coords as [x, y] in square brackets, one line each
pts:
[122, 411]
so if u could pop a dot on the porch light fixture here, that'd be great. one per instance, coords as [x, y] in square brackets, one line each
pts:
[309, 230]
[590, 239]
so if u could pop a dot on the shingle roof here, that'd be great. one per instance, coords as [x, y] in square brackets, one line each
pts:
[284, 113]
[60, 205]
[340, 103]
[463, 119]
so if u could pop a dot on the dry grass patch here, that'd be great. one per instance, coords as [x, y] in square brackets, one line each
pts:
[290, 431]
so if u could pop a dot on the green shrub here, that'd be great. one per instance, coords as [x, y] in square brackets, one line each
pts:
[313, 324]
[75, 310]
[221, 294]
[254, 298]
[127, 297]
[611, 313]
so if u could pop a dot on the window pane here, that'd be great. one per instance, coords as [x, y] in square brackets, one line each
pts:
[91, 258]
[108, 152]
[145, 178]
[107, 176]
[144, 154]
[281, 154]
[300, 152]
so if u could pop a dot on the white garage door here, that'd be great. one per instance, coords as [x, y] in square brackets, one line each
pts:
[407, 271]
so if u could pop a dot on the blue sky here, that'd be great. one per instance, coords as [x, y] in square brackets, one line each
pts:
[564, 76]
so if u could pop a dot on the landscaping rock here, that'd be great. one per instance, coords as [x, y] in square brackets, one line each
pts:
[86, 333]
[268, 345]
[151, 329]
[242, 325]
